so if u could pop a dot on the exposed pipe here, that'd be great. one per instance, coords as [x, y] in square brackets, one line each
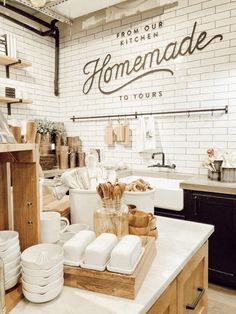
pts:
[25, 14]
[32, 29]
[52, 32]
[47, 12]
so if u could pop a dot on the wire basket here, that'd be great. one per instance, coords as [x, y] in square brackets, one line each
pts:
[47, 162]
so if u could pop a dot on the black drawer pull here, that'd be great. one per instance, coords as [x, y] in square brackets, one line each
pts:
[198, 298]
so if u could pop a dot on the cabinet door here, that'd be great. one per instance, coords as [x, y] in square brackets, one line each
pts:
[167, 302]
[192, 284]
[219, 211]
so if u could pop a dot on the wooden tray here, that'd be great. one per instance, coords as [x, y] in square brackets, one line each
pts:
[106, 282]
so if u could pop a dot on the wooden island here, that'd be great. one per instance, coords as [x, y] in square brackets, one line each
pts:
[177, 279]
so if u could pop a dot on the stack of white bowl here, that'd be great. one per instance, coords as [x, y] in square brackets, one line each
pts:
[42, 272]
[10, 254]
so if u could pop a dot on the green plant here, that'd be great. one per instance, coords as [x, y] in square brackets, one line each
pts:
[58, 128]
[49, 127]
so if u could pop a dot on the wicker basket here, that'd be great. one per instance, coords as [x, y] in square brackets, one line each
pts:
[47, 162]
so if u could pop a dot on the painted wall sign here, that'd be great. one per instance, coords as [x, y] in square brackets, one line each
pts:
[102, 72]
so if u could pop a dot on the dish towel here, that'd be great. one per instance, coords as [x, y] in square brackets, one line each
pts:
[140, 131]
[150, 134]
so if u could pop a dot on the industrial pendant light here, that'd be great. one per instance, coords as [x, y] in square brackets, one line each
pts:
[38, 3]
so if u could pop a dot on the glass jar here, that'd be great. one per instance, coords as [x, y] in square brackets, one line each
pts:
[2, 288]
[112, 220]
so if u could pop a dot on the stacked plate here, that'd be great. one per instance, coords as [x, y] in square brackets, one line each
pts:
[42, 272]
[10, 254]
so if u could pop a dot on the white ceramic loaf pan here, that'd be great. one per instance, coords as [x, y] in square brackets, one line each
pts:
[98, 252]
[125, 256]
[74, 248]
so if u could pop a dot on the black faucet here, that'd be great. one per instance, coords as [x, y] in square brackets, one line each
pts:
[162, 165]
[163, 157]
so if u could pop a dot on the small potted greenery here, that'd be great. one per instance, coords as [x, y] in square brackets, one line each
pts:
[48, 130]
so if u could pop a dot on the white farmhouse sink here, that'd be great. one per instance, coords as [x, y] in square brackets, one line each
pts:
[168, 194]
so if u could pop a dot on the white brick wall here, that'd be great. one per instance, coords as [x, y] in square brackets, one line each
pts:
[36, 82]
[205, 79]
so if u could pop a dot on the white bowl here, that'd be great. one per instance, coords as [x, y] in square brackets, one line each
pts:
[42, 289]
[7, 238]
[41, 298]
[12, 281]
[11, 249]
[42, 256]
[11, 257]
[66, 236]
[98, 252]
[12, 273]
[75, 247]
[126, 253]
[77, 228]
[42, 273]
[12, 264]
[42, 281]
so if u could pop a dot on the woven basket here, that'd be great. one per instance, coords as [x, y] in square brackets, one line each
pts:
[47, 162]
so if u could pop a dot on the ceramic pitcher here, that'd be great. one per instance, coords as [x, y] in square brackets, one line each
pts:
[50, 226]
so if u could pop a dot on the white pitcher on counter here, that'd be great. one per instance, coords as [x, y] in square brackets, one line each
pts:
[50, 226]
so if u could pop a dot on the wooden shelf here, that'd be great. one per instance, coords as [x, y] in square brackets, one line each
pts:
[10, 148]
[9, 101]
[14, 62]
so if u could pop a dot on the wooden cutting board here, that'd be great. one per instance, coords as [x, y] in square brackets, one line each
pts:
[119, 133]
[127, 133]
[109, 134]
[116, 284]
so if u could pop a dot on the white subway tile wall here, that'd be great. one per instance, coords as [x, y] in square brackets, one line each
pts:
[36, 82]
[204, 79]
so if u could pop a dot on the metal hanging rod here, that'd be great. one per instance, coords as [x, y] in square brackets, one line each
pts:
[136, 114]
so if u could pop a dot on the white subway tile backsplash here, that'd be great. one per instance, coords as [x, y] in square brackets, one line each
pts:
[206, 78]
[37, 81]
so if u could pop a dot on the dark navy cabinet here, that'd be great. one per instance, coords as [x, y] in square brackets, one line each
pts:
[220, 211]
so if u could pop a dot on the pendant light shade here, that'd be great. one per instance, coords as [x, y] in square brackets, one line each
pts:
[38, 3]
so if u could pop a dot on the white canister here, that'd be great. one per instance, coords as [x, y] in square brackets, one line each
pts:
[143, 200]
[83, 204]
[50, 226]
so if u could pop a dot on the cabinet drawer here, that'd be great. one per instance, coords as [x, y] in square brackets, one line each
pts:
[166, 304]
[192, 284]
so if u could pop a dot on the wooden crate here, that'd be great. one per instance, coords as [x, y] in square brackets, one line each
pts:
[110, 283]
[13, 296]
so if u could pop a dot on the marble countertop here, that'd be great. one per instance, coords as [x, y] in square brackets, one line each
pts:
[189, 182]
[202, 183]
[153, 172]
[178, 241]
